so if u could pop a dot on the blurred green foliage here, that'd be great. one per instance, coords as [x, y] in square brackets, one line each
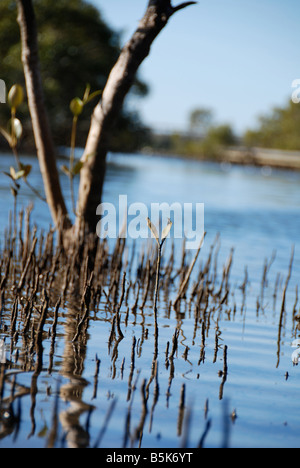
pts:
[205, 139]
[279, 130]
[76, 47]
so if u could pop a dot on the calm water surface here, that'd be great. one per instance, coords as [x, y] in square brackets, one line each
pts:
[256, 212]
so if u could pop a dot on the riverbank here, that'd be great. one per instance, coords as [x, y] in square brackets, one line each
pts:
[263, 157]
[257, 157]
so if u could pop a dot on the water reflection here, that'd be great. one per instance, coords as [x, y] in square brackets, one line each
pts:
[88, 337]
[71, 392]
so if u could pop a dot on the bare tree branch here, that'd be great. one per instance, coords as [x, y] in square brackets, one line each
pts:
[104, 116]
[167, 7]
[183, 5]
[105, 113]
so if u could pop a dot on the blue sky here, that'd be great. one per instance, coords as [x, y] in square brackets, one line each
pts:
[236, 57]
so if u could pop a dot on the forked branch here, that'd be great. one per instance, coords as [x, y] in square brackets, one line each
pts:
[104, 116]
[183, 5]
[106, 112]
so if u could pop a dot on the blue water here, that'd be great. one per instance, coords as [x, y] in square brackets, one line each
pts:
[256, 212]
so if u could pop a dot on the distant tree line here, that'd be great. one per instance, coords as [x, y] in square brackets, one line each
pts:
[280, 129]
[204, 138]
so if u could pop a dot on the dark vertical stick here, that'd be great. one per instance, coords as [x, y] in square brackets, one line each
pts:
[283, 305]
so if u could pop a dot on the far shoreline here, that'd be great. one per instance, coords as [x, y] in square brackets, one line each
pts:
[241, 156]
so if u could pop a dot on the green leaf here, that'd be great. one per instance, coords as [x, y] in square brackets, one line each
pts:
[88, 156]
[87, 92]
[77, 168]
[26, 169]
[20, 175]
[43, 432]
[66, 170]
[23, 172]
[93, 96]
[12, 173]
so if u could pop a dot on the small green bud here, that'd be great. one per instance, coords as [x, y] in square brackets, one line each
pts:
[15, 96]
[76, 107]
[15, 128]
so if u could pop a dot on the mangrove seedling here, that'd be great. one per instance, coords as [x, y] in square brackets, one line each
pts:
[76, 107]
[13, 135]
[14, 128]
[160, 244]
